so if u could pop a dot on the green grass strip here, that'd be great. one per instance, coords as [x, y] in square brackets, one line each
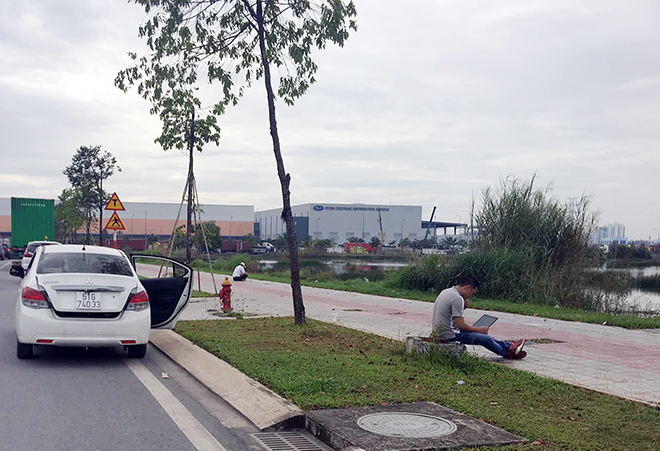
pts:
[321, 366]
[202, 294]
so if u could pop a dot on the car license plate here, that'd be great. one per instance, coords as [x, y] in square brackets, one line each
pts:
[88, 300]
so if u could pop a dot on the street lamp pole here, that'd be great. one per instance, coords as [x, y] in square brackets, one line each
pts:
[401, 230]
[317, 227]
[230, 218]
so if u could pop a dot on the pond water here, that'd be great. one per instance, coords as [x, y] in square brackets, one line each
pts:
[341, 266]
[639, 300]
[644, 272]
[642, 300]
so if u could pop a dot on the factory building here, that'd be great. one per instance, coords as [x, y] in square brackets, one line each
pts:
[146, 218]
[142, 219]
[339, 222]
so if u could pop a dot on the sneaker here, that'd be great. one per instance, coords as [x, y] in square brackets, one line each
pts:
[519, 356]
[511, 354]
[517, 346]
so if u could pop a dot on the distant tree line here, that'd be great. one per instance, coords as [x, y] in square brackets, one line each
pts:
[628, 251]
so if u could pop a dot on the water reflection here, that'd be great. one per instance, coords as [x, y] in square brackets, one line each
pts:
[341, 267]
[338, 266]
[642, 300]
[265, 265]
[645, 272]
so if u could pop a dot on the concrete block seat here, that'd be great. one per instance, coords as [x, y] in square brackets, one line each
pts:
[423, 345]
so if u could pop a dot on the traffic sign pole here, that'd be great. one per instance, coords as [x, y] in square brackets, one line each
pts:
[114, 223]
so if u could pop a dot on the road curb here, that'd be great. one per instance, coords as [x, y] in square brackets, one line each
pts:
[265, 408]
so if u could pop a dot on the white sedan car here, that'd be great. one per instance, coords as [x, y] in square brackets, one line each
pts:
[89, 296]
[30, 249]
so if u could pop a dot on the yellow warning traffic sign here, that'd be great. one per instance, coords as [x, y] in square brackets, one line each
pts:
[114, 203]
[114, 223]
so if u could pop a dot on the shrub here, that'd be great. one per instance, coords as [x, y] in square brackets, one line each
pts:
[231, 261]
[371, 274]
[529, 248]
[500, 272]
[627, 252]
[424, 273]
[544, 244]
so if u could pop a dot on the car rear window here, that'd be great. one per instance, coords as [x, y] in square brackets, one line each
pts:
[83, 262]
[33, 247]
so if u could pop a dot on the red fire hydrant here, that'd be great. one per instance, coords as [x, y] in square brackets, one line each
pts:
[225, 295]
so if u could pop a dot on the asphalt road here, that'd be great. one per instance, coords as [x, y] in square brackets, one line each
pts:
[98, 399]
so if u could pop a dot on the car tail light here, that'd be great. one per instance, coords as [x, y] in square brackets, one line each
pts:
[138, 301]
[27, 254]
[34, 299]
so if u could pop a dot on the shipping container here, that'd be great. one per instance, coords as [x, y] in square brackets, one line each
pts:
[31, 220]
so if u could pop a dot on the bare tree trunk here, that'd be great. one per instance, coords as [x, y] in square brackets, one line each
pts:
[190, 190]
[285, 179]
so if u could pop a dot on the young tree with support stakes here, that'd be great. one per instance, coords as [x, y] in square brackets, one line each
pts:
[227, 39]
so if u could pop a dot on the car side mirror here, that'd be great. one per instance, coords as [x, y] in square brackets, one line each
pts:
[17, 270]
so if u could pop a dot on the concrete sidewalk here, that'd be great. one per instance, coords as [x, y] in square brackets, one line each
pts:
[607, 359]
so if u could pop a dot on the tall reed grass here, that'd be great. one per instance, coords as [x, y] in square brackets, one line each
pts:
[528, 247]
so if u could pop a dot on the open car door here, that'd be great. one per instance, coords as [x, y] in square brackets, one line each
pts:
[168, 284]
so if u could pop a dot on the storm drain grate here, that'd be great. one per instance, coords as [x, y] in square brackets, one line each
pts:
[289, 441]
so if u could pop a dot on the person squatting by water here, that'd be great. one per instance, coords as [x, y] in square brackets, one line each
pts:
[239, 272]
[449, 324]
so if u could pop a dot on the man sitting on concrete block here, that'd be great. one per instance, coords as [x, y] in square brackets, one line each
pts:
[449, 324]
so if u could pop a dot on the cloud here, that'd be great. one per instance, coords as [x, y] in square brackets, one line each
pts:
[428, 103]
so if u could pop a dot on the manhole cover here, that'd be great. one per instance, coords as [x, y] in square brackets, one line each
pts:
[408, 425]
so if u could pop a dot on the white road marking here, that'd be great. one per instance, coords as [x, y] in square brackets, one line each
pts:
[185, 421]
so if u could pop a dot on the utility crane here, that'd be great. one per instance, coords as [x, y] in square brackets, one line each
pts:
[426, 235]
[380, 224]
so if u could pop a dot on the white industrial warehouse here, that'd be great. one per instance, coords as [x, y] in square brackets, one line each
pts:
[339, 222]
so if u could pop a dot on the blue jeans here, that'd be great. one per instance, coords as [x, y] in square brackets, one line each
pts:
[485, 340]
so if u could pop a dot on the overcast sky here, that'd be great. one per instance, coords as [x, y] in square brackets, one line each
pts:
[427, 104]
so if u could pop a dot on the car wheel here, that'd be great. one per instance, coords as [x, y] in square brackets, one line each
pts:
[137, 351]
[24, 350]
